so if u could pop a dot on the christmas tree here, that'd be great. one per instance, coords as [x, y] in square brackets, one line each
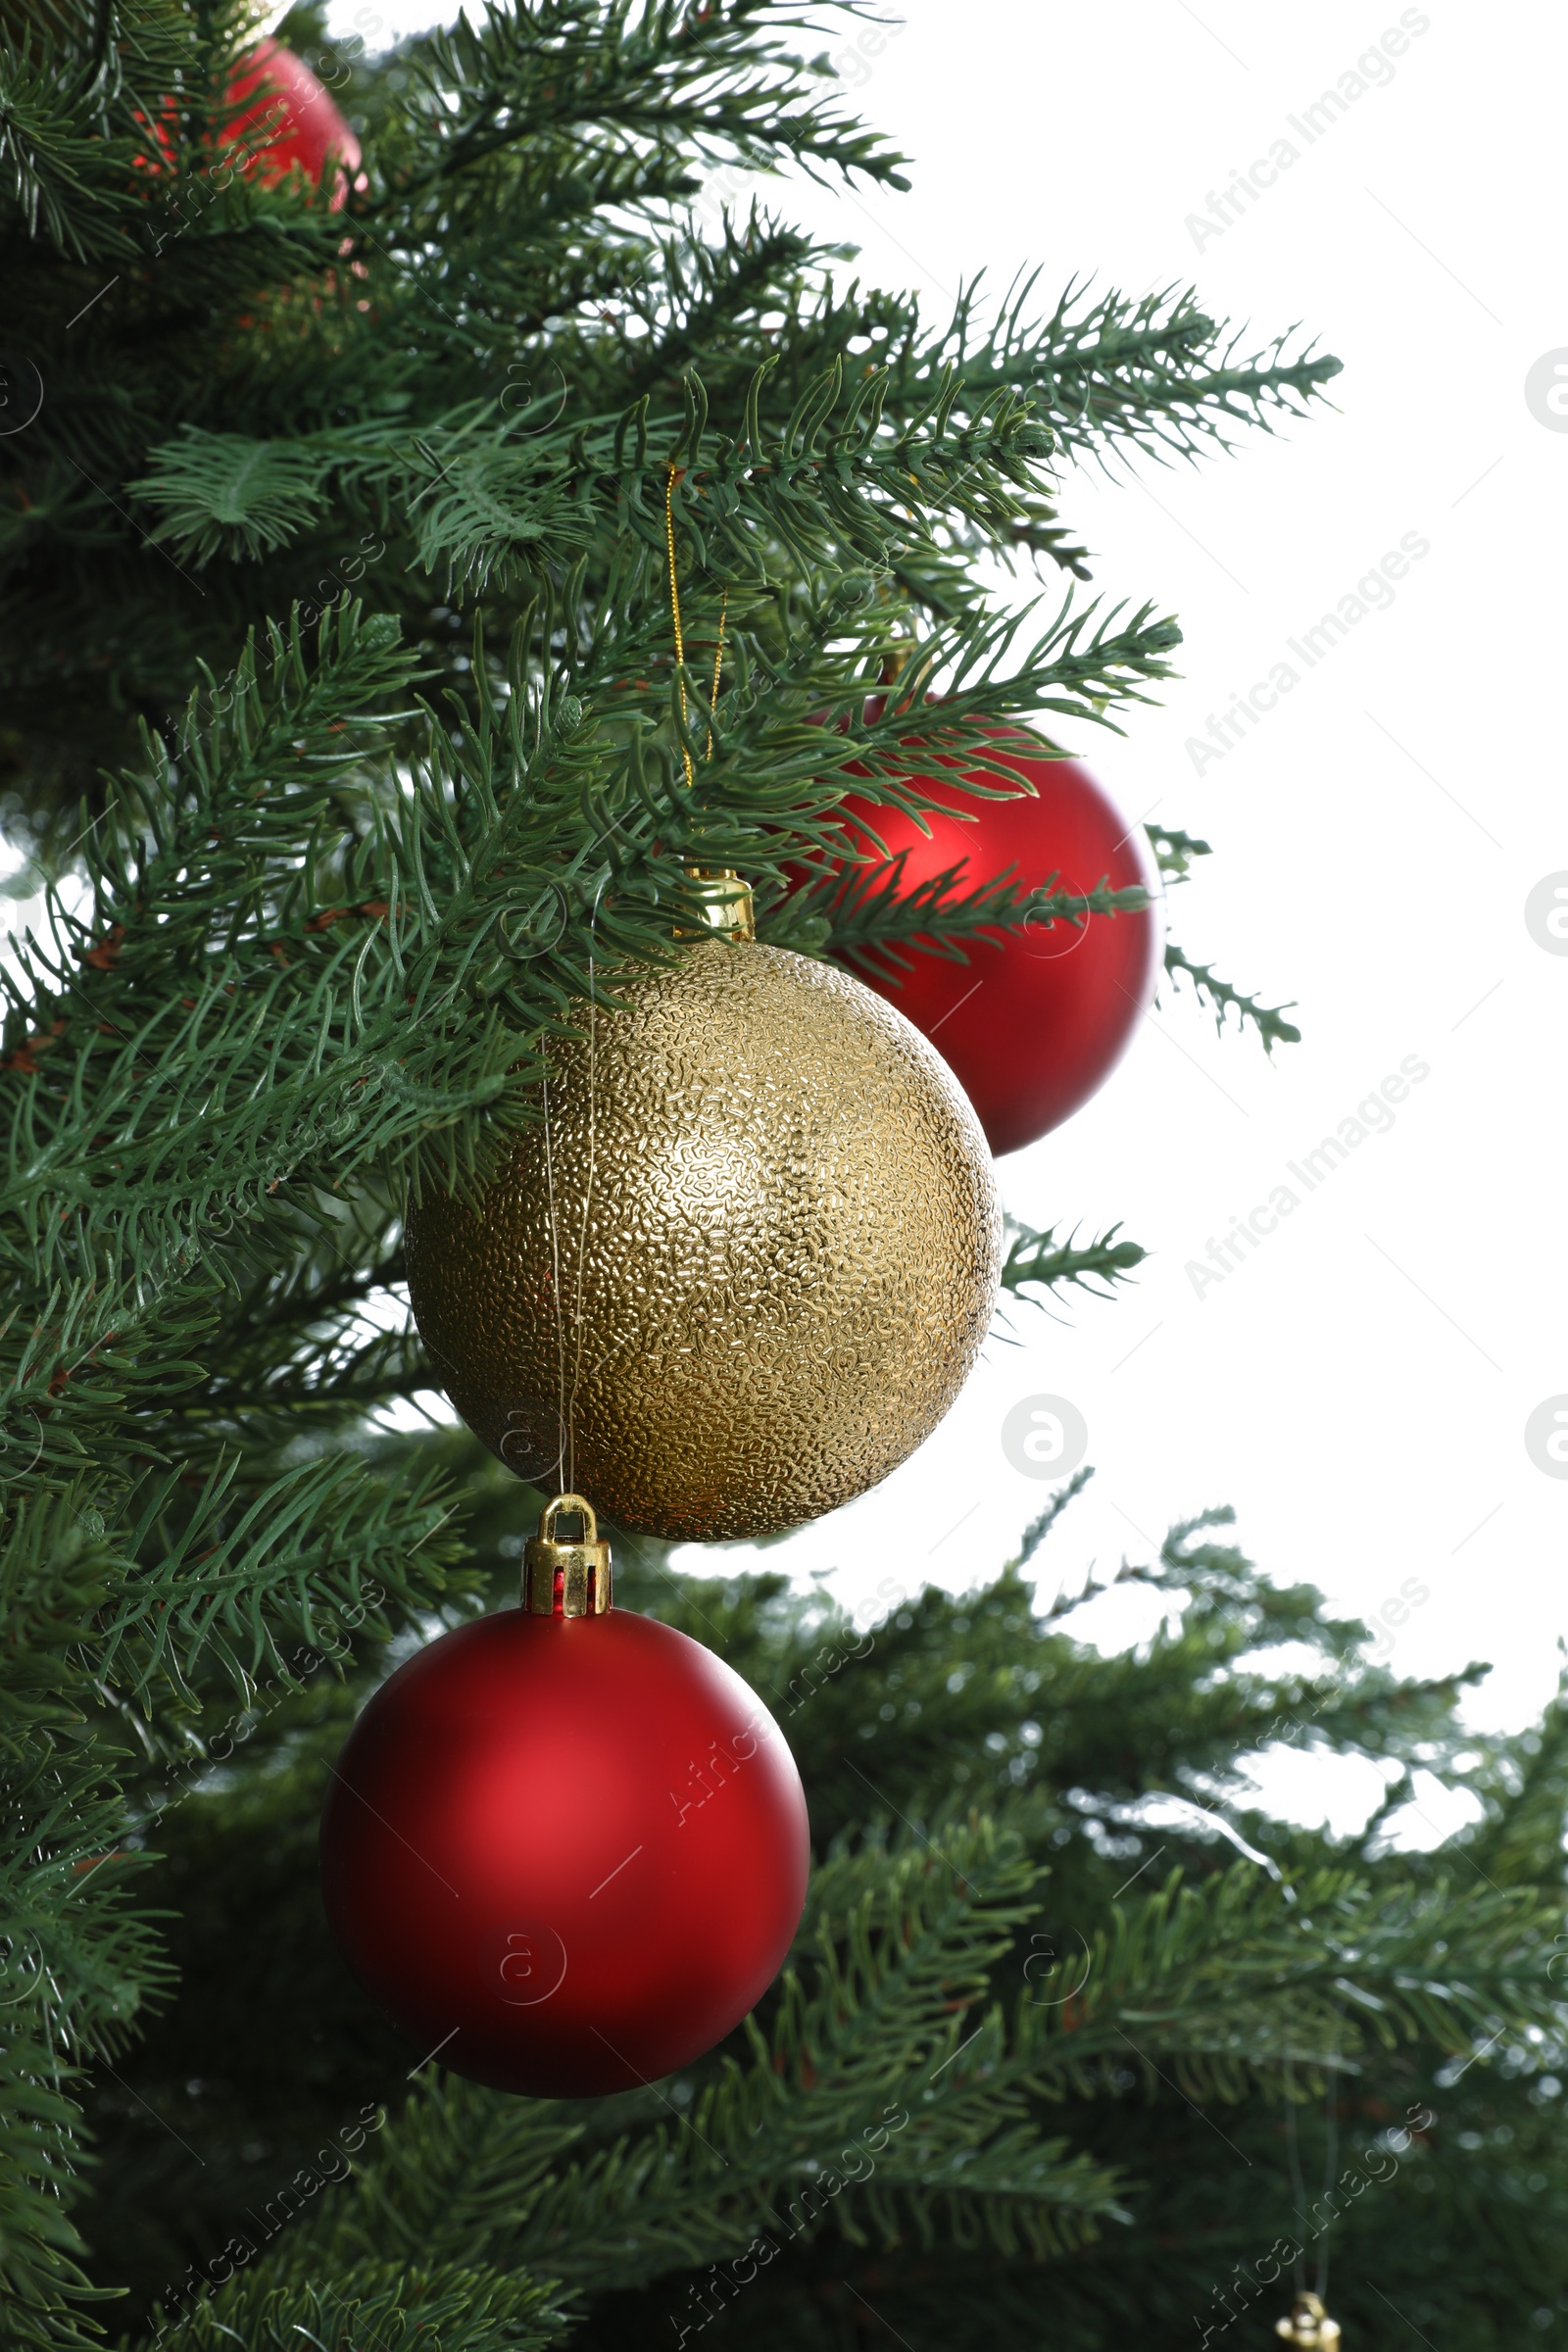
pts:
[344, 720]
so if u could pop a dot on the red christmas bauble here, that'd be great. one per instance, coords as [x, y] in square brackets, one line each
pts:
[309, 132]
[1032, 1025]
[567, 1854]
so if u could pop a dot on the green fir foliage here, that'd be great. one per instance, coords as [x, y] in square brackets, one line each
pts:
[339, 706]
[1061, 1995]
[1222, 997]
[1040, 1258]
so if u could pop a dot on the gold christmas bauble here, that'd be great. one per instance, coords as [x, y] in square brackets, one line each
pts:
[741, 1264]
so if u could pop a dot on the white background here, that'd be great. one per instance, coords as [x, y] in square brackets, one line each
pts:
[1359, 1387]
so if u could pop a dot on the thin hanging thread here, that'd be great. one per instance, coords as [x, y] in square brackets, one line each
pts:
[566, 1399]
[562, 1484]
[1331, 2158]
[1297, 2183]
[588, 1190]
[672, 476]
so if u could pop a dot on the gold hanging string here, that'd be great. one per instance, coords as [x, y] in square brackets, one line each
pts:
[674, 614]
[719, 664]
[566, 1393]
[672, 476]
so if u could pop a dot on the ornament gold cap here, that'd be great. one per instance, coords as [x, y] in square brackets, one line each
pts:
[1309, 2326]
[726, 904]
[583, 1567]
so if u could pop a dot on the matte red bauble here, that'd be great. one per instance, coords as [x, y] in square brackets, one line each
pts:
[1032, 1025]
[310, 131]
[285, 117]
[566, 1852]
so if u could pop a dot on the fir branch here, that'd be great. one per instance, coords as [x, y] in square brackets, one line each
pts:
[486, 491]
[1234, 1976]
[247, 498]
[717, 84]
[332, 1379]
[324, 1542]
[41, 2258]
[1155, 373]
[869, 918]
[1040, 1258]
[1174, 851]
[68, 120]
[1035, 1534]
[367, 2303]
[1112, 369]
[1267, 1019]
[866, 917]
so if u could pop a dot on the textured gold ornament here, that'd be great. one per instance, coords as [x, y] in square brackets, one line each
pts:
[742, 1264]
[1309, 2325]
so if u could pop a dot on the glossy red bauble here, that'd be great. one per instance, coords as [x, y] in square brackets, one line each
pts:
[1033, 1024]
[292, 115]
[566, 1854]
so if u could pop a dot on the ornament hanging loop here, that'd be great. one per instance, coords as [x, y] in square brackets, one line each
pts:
[1309, 2326]
[581, 1568]
[726, 911]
